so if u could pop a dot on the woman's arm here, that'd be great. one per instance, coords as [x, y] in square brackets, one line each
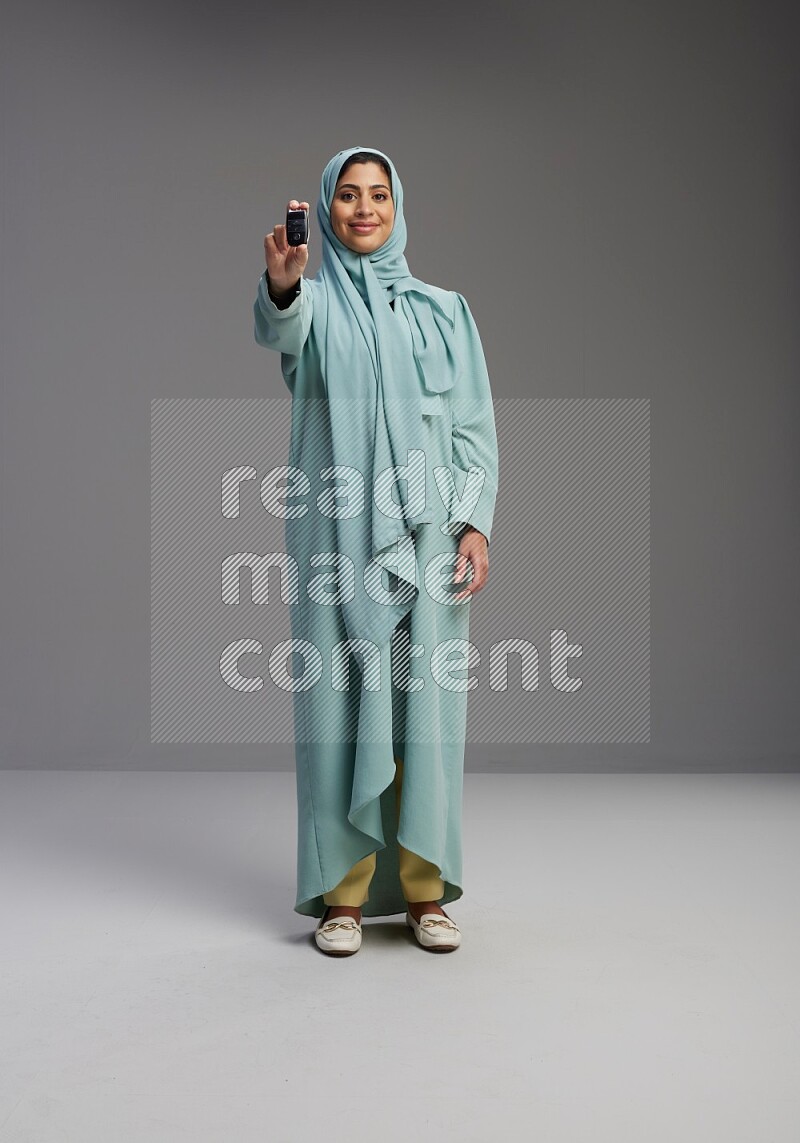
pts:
[284, 302]
[284, 324]
[474, 431]
[282, 298]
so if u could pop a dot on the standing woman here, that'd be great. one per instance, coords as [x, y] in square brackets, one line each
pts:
[390, 496]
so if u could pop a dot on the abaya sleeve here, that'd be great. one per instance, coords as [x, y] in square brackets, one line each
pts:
[284, 329]
[474, 432]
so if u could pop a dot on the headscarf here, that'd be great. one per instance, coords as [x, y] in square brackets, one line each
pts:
[374, 380]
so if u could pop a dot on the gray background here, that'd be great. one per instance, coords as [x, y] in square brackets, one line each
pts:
[643, 158]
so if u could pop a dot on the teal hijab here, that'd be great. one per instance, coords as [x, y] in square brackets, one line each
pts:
[375, 374]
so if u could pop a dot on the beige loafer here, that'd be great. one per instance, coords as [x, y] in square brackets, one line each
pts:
[340, 936]
[435, 932]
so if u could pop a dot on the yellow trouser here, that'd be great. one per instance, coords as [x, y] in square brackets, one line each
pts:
[419, 878]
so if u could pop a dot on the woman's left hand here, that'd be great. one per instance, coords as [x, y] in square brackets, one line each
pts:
[473, 547]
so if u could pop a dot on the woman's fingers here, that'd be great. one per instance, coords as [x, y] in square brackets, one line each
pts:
[275, 259]
[272, 242]
[279, 230]
[472, 549]
[462, 563]
[278, 248]
[283, 259]
[280, 238]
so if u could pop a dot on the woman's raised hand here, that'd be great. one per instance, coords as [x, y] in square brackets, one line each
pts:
[285, 263]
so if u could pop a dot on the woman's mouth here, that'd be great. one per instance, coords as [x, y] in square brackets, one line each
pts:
[363, 227]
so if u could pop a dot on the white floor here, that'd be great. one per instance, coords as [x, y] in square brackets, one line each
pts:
[628, 970]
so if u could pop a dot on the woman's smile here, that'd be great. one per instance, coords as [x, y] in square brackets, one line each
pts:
[362, 209]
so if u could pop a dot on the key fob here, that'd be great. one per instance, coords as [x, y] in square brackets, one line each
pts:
[296, 227]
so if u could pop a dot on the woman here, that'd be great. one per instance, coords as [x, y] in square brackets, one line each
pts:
[392, 482]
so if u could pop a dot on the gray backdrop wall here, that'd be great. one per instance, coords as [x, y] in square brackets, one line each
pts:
[645, 157]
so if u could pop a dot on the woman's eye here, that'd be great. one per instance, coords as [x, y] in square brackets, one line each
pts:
[349, 194]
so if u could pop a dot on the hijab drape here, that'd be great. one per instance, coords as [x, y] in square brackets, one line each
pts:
[375, 378]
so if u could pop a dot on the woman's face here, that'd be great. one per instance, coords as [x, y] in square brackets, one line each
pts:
[362, 210]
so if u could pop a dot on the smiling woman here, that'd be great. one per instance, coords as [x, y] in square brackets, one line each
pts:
[383, 369]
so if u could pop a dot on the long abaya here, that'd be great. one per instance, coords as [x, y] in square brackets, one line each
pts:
[355, 711]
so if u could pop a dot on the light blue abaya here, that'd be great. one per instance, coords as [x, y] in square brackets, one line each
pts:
[384, 371]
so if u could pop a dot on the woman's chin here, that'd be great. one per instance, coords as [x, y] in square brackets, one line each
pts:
[364, 245]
